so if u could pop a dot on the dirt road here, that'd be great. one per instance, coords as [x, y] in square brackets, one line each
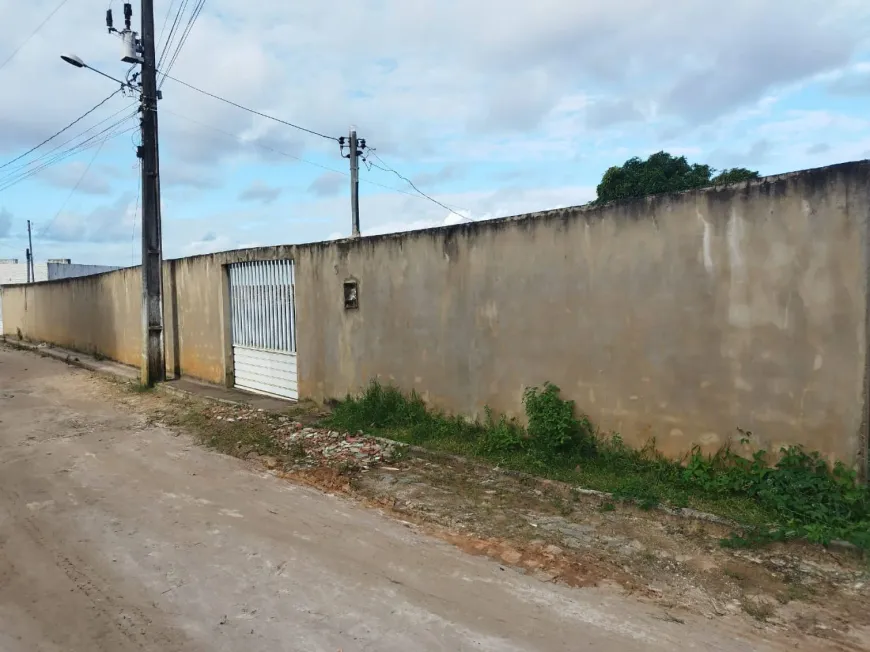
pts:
[117, 534]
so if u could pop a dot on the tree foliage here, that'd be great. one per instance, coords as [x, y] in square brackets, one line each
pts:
[660, 173]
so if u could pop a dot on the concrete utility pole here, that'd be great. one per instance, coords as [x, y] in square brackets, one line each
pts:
[356, 148]
[354, 182]
[153, 355]
[153, 367]
[31, 271]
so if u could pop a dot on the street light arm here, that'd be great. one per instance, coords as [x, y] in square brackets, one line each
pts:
[122, 83]
[73, 60]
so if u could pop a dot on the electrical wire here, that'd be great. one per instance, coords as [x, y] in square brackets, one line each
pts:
[292, 156]
[46, 155]
[163, 29]
[249, 110]
[58, 133]
[387, 168]
[27, 176]
[135, 214]
[32, 34]
[26, 171]
[260, 145]
[188, 28]
[170, 38]
[73, 191]
[14, 179]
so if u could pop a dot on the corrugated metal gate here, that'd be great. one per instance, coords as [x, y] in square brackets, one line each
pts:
[263, 314]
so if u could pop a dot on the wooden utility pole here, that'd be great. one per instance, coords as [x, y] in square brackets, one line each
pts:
[153, 368]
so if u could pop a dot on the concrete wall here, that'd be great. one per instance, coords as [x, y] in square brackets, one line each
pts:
[15, 273]
[102, 313]
[680, 317]
[90, 314]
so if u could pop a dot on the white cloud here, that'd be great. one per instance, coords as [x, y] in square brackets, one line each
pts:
[213, 245]
[261, 192]
[112, 222]
[444, 87]
[77, 175]
[799, 123]
[323, 65]
[328, 184]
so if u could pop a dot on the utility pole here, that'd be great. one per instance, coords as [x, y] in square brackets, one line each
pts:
[31, 270]
[153, 356]
[354, 183]
[353, 154]
[141, 52]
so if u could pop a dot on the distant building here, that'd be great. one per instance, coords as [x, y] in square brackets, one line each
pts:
[12, 272]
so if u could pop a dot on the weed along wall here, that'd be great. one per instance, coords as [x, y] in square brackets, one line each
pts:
[690, 318]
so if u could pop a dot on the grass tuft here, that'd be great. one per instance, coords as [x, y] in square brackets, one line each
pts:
[799, 496]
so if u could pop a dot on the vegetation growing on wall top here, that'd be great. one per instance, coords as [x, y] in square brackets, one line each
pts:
[663, 172]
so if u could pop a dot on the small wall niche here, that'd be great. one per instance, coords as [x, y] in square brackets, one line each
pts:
[351, 294]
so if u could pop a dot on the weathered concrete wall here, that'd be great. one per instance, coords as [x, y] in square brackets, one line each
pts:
[102, 313]
[91, 314]
[197, 309]
[681, 317]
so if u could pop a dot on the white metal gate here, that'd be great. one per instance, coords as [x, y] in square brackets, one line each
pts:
[263, 314]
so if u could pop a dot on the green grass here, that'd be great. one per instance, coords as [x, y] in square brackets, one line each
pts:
[798, 497]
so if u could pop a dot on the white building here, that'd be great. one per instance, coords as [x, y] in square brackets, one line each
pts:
[13, 272]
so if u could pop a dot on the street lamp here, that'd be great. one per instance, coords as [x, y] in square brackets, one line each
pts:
[141, 53]
[76, 61]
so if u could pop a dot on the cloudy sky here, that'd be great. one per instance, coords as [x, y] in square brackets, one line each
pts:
[491, 107]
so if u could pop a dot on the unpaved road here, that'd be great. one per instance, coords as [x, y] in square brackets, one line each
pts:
[116, 534]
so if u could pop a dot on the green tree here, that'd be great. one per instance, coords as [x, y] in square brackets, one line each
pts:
[734, 175]
[662, 172]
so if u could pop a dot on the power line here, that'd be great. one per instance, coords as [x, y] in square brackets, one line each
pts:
[187, 30]
[135, 213]
[249, 110]
[14, 180]
[170, 38]
[22, 173]
[47, 154]
[56, 134]
[47, 228]
[163, 29]
[387, 168]
[288, 155]
[65, 156]
[18, 177]
[32, 34]
[260, 145]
